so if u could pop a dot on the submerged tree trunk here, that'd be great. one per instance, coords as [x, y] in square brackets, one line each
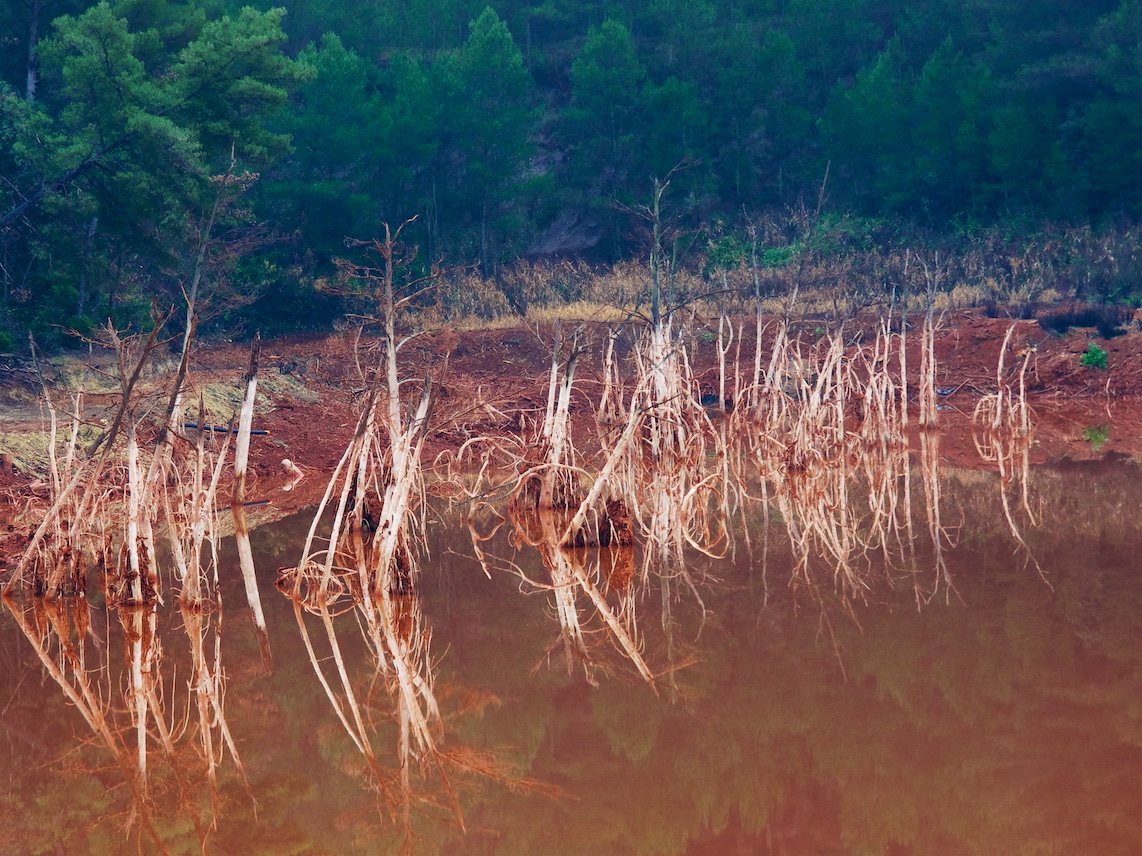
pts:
[238, 497]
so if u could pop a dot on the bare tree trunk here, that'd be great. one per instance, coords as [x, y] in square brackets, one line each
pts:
[33, 68]
[238, 497]
[134, 502]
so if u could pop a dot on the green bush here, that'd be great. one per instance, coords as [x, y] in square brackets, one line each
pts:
[1097, 436]
[1094, 358]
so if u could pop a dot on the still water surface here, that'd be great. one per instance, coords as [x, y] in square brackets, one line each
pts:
[1004, 717]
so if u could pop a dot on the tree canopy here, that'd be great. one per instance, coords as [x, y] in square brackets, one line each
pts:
[493, 122]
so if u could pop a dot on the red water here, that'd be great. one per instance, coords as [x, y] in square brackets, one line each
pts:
[1004, 716]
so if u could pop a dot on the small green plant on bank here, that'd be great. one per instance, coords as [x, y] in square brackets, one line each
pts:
[1096, 435]
[1094, 357]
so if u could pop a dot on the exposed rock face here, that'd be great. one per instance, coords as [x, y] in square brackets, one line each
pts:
[572, 233]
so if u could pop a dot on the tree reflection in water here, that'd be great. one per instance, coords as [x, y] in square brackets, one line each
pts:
[129, 711]
[1004, 718]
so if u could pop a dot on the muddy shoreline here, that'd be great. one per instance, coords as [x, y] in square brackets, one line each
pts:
[493, 383]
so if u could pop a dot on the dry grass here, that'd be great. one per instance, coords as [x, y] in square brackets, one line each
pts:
[29, 449]
[837, 270]
[579, 310]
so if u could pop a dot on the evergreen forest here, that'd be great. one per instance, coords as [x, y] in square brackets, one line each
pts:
[149, 147]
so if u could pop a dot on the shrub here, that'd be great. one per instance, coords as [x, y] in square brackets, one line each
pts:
[1097, 436]
[1109, 321]
[1094, 358]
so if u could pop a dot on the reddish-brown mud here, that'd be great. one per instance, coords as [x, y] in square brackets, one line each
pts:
[496, 384]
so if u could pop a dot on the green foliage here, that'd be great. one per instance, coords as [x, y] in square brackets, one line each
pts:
[1097, 436]
[323, 192]
[675, 127]
[492, 122]
[869, 132]
[110, 169]
[725, 252]
[950, 100]
[1094, 357]
[286, 300]
[607, 80]
[775, 257]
